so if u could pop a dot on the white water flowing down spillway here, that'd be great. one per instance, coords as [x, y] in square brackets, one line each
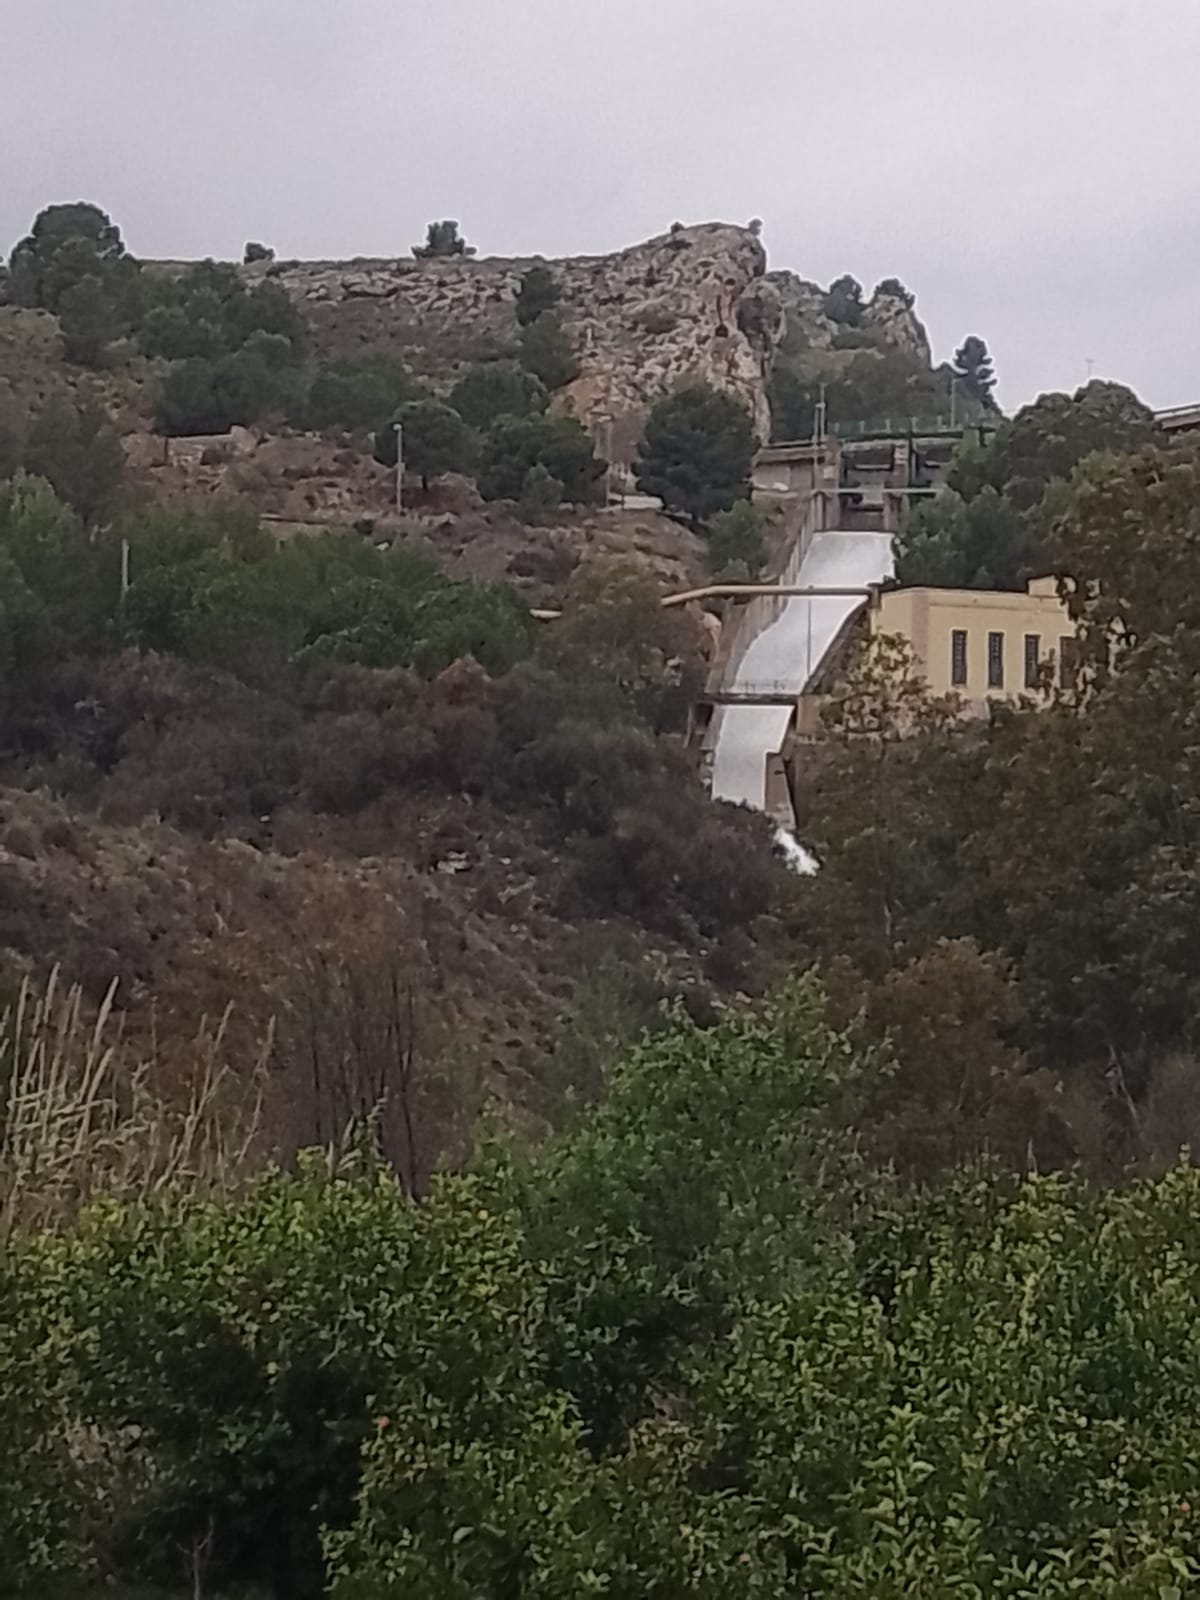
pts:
[787, 653]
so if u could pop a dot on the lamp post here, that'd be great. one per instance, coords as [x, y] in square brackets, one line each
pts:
[399, 427]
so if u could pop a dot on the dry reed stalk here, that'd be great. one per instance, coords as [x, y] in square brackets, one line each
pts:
[79, 1114]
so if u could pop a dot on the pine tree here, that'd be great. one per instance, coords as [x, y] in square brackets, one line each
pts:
[696, 452]
[546, 352]
[974, 370]
[538, 293]
[442, 240]
[86, 318]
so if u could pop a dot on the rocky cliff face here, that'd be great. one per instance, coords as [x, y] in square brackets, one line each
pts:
[897, 324]
[692, 305]
[886, 315]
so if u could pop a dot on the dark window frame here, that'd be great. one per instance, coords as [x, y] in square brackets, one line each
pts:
[959, 658]
[1033, 660]
[995, 659]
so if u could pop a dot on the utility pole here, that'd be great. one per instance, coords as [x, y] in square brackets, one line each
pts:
[818, 457]
[124, 570]
[1090, 363]
[606, 416]
[399, 427]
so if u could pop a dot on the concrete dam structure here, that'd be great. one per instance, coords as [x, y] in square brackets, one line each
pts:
[787, 653]
[843, 498]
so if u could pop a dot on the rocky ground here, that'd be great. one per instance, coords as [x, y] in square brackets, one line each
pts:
[302, 482]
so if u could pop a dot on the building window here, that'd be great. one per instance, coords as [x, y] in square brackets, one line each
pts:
[958, 657]
[1033, 659]
[995, 661]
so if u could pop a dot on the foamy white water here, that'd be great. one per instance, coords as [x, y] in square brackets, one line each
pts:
[794, 854]
[788, 653]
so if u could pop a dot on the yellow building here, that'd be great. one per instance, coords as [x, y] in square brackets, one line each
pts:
[980, 644]
[977, 644]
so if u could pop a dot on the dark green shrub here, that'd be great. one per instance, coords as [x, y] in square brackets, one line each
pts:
[358, 395]
[498, 389]
[200, 397]
[515, 445]
[696, 452]
[546, 352]
[538, 293]
[436, 440]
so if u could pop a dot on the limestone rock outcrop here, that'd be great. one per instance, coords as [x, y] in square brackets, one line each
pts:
[894, 320]
[804, 309]
[695, 304]
[692, 304]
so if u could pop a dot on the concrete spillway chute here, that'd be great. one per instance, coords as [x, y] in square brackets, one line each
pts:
[836, 573]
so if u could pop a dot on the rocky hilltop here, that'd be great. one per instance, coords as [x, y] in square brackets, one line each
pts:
[886, 316]
[693, 304]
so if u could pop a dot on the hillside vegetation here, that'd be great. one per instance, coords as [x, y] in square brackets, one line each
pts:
[693, 1347]
[442, 1152]
[345, 345]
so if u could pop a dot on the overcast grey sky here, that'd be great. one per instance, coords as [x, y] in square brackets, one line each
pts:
[1031, 168]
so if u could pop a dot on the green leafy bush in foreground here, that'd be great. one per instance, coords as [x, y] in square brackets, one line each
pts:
[689, 1349]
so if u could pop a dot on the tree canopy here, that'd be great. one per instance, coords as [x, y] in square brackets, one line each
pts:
[975, 372]
[357, 394]
[736, 542]
[1048, 439]
[538, 293]
[210, 310]
[87, 322]
[515, 446]
[617, 1364]
[872, 382]
[546, 352]
[696, 452]
[894, 289]
[66, 244]
[498, 389]
[844, 301]
[1091, 794]
[201, 397]
[442, 241]
[73, 446]
[991, 526]
[436, 440]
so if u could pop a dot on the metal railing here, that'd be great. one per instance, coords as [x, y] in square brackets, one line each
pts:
[772, 692]
[903, 427]
[769, 591]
